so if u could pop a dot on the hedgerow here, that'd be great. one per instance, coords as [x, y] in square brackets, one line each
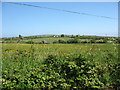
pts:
[70, 72]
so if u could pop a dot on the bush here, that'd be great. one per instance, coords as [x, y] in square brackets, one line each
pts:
[84, 41]
[55, 42]
[73, 41]
[92, 41]
[60, 73]
[43, 42]
[88, 41]
[118, 40]
[101, 41]
[115, 75]
[62, 35]
[29, 42]
[59, 41]
[70, 73]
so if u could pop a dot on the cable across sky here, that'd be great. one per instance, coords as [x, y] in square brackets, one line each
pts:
[68, 11]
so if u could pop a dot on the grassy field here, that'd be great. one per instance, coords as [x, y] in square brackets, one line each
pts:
[20, 61]
[67, 39]
[50, 40]
[43, 50]
[37, 40]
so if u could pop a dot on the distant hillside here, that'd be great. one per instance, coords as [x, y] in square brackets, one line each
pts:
[49, 39]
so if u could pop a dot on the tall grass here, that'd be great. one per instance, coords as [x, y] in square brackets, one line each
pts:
[30, 66]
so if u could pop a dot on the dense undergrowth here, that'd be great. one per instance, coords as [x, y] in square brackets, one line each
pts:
[72, 72]
[21, 69]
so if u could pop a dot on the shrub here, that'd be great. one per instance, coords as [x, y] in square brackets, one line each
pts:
[73, 41]
[84, 41]
[43, 42]
[60, 41]
[72, 73]
[101, 41]
[92, 41]
[118, 40]
[29, 42]
[62, 35]
[55, 41]
[59, 72]
[115, 75]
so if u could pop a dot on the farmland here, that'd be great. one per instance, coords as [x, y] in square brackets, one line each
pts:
[60, 65]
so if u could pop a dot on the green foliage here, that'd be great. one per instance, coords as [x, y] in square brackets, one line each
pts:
[60, 41]
[115, 74]
[43, 42]
[101, 41]
[20, 37]
[29, 42]
[67, 73]
[84, 41]
[63, 67]
[62, 35]
[75, 40]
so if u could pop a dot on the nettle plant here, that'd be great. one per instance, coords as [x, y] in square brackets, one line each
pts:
[71, 72]
[60, 72]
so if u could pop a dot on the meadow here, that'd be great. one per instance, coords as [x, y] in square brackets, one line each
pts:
[41, 66]
[60, 62]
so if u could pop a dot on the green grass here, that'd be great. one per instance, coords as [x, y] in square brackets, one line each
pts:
[43, 50]
[50, 40]
[67, 39]
[37, 40]
[20, 60]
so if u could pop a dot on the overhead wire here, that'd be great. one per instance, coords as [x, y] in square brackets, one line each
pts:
[68, 11]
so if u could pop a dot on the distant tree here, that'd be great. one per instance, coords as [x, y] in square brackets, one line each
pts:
[118, 40]
[61, 41]
[20, 37]
[62, 35]
[77, 35]
[75, 40]
[72, 36]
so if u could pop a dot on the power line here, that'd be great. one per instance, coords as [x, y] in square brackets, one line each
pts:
[62, 10]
